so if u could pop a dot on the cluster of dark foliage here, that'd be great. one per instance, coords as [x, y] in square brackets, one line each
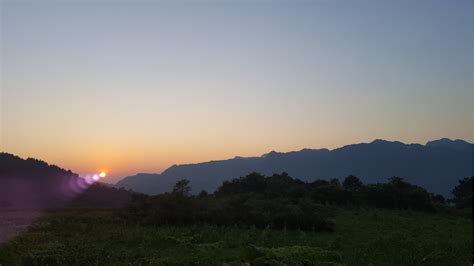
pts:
[396, 194]
[248, 206]
[101, 196]
[280, 201]
[463, 194]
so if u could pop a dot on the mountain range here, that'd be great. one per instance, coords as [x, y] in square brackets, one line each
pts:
[437, 166]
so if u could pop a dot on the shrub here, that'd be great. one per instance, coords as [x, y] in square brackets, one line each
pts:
[240, 209]
[398, 194]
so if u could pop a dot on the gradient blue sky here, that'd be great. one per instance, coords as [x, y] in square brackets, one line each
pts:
[135, 86]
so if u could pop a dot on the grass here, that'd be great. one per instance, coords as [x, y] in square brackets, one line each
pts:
[362, 237]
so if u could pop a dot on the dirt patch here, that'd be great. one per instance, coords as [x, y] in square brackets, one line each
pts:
[13, 222]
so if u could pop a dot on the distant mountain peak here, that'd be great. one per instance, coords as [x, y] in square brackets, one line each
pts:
[446, 141]
[457, 144]
[242, 157]
[270, 154]
[382, 141]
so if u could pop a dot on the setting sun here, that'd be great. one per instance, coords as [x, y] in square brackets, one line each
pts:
[102, 174]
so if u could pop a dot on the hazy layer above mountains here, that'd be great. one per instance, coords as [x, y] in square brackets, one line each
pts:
[436, 166]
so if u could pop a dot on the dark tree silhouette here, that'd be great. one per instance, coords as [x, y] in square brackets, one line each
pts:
[463, 193]
[352, 182]
[398, 194]
[182, 188]
[335, 182]
[203, 194]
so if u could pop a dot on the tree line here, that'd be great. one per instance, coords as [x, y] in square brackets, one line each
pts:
[280, 201]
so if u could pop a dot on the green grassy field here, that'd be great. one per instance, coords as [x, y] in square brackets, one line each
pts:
[361, 237]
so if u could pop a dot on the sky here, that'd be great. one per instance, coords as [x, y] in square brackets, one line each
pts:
[136, 86]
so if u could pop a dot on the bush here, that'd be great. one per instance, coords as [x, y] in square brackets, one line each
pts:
[398, 194]
[243, 209]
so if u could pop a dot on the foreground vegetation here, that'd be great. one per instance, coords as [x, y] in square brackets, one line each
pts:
[282, 202]
[255, 220]
[362, 236]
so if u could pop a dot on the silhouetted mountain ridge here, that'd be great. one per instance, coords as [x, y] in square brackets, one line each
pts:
[35, 184]
[451, 144]
[435, 166]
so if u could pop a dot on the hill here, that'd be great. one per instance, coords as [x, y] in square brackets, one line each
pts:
[34, 184]
[436, 166]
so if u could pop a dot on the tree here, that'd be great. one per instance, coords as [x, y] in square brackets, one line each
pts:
[335, 182]
[252, 183]
[182, 188]
[352, 182]
[398, 182]
[463, 193]
[399, 194]
[203, 194]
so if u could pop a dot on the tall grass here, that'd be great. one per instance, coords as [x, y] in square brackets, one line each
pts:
[363, 236]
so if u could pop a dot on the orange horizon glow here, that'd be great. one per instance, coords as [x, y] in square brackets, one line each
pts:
[138, 159]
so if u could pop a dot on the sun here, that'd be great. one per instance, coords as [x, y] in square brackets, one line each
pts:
[102, 174]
